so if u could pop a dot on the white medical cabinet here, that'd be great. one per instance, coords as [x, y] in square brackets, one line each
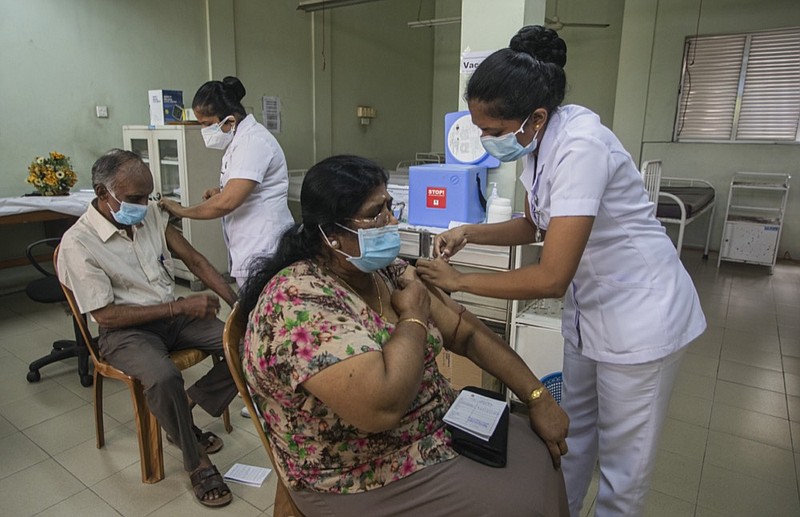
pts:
[754, 218]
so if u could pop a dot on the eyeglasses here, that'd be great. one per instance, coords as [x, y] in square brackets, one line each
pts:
[388, 211]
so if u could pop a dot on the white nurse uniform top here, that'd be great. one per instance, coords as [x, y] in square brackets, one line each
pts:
[631, 300]
[254, 228]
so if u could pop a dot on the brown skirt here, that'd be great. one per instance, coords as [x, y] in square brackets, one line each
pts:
[527, 486]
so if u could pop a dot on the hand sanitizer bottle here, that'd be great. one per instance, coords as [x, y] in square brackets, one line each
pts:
[491, 199]
[498, 209]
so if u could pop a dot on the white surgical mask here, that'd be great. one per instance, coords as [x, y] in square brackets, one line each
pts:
[215, 137]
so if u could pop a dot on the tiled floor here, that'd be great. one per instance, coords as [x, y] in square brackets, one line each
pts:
[730, 447]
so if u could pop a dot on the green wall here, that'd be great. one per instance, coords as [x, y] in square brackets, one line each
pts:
[376, 60]
[273, 57]
[649, 76]
[60, 59]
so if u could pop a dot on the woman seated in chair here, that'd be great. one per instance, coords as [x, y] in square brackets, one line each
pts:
[340, 353]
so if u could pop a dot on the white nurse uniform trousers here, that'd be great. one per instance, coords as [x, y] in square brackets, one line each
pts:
[616, 414]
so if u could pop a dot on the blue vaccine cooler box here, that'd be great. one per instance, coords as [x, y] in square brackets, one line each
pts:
[455, 190]
[439, 193]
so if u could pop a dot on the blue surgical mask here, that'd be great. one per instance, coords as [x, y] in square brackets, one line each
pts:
[128, 213]
[506, 148]
[379, 247]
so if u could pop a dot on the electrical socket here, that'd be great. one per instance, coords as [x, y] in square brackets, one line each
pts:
[102, 111]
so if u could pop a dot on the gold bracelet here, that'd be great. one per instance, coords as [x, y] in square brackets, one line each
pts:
[171, 314]
[417, 321]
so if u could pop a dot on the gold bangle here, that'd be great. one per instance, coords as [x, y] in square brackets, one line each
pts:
[171, 314]
[417, 321]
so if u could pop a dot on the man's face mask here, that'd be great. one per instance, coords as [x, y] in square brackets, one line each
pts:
[128, 213]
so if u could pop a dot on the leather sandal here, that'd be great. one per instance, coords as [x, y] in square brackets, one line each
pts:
[206, 480]
[208, 440]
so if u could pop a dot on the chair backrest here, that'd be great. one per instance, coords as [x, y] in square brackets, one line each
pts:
[80, 319]
[651, 174]
[231, 338]
[30, 253]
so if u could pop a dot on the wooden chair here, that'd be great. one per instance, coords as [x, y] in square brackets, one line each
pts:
[147, 428]
[231, 338]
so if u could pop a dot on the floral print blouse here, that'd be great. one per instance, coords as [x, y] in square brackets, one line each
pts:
[305, 321]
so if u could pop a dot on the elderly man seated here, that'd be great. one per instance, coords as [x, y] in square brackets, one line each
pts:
[117, 259]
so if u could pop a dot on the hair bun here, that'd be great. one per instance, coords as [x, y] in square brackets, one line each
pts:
[234, 87]
[541, 43]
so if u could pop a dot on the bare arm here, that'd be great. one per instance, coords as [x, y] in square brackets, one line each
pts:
[466, 335]
[121, 316]
[374, 390]
[562, 249]
[214, 206]
[198, 265]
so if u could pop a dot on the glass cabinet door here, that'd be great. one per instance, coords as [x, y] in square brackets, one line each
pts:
[168, 166]
[140, 147]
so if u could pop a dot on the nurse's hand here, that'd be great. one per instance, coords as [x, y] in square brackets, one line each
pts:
[550, 422]
[210, 193]
[170, 205]
[439, 273]
[449, 243]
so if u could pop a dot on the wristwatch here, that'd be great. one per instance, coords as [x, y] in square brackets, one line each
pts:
[536, 394]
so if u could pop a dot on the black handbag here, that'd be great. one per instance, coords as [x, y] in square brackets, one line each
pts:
[492, 452]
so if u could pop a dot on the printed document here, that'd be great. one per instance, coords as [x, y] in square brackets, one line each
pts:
[247, 474]
[475, 414]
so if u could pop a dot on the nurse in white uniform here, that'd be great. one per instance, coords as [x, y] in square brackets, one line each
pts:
[630, 307]
[254, 182]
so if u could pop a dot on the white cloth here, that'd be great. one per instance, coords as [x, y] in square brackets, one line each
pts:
[102, 265]
[631, 300]
[616, 412]
[254, 228]
[73, 204]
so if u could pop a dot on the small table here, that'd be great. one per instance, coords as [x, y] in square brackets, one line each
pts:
[34, 209]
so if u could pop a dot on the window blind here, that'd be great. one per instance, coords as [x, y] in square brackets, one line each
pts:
[743, 87]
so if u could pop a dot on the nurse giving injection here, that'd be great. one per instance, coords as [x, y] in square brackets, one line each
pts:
[630, 308]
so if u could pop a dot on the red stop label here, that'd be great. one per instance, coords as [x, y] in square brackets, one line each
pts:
[436, 197]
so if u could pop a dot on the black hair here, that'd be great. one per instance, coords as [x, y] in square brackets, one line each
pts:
[220, 98]
[106, 168]
[333, 190]
[529, 74]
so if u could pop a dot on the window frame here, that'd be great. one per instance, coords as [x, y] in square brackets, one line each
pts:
[753, 91]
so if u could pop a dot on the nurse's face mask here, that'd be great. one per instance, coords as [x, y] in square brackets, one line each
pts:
[507, 148]
[215, 138]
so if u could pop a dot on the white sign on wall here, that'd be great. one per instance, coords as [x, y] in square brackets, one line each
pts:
[471, 59]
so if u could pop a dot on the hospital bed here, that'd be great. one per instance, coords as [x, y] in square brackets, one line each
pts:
[679, 201]
[682, 201]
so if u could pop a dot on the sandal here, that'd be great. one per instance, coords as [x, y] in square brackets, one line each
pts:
[206, 480]
[208, 440]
